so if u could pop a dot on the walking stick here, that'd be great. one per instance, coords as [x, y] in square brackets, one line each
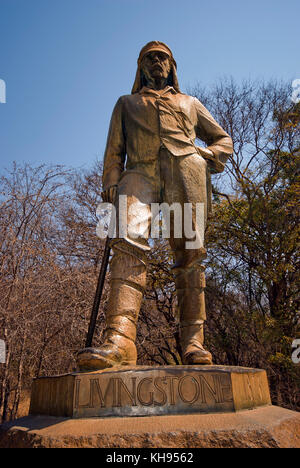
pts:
[99, 289]
[98, 294]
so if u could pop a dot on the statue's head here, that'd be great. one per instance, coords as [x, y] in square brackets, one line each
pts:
[155, 61]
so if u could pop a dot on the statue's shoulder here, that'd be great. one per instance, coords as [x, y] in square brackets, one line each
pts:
[185, 97]
[129, 97]
[193, 101]
[128, 100]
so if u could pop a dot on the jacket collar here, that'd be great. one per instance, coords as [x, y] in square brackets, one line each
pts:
[153, 92]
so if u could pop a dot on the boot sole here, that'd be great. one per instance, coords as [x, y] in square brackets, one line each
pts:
[198, 362]
[93, 362]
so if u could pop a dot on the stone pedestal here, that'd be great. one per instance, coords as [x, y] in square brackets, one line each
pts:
[149, 391]
[265, 427]
[182, 407]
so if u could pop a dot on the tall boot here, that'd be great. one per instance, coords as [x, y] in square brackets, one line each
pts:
[128, 282]
[190, 285]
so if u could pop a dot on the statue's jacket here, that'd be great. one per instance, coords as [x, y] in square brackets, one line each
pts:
[144, 122]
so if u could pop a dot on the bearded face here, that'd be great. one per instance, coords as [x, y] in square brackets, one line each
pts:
[156, 66]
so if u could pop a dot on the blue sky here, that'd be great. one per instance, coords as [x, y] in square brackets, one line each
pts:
[65, 62]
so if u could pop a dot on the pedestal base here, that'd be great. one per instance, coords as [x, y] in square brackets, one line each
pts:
[268, 427]
[147, 391]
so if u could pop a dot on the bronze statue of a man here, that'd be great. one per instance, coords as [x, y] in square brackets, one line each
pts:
[151, 157]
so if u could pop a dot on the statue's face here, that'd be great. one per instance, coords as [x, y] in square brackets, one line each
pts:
[156, 65]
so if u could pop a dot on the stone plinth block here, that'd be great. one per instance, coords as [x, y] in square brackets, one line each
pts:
[148, 391]
[265, 427]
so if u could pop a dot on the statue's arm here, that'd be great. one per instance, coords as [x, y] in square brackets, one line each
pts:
[218, 141]
[115, 152]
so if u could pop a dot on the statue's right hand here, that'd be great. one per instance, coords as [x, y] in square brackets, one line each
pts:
[109, 195]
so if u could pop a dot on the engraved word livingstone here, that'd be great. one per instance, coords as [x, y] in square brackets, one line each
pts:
[155, 391]
[142, 391]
